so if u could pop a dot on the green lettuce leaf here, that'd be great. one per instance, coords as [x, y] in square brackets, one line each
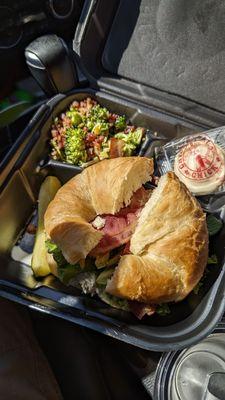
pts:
[163, 309]
[198, 287]
[213, 224]
[212, 259]
[104, 276]
[113, 301]
[53, 249]
[51, 246]
[98, 114]
[68, 272]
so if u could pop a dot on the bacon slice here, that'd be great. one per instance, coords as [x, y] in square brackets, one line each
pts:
[117, 231]
[116, 148]
[138, 200]
[141, 309]
[119, 228]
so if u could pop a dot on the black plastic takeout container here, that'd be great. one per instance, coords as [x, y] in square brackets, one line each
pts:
[189, 321]
[22, 172]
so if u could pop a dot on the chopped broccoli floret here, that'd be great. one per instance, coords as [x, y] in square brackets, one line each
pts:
[99, 113]
[90, 124]
[96, 121]
[131, 139]
[129, 149]
[76, 118]
[120, 123]
[100, 128]
[75, 146]
[104, 153]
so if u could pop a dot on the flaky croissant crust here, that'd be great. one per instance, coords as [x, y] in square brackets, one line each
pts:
[102, 188]
[169, 245]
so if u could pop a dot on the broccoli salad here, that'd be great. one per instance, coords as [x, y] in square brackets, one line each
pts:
[88, 133]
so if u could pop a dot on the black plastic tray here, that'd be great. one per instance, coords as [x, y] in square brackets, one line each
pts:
[21, 177]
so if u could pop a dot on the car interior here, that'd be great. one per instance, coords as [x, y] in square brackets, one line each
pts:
[161, 64]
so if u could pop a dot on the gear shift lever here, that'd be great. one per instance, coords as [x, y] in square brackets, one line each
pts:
[51, 64]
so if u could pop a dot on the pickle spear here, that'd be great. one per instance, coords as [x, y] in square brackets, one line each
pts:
[47, 193]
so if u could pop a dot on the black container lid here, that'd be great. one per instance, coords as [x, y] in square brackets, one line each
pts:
[167, 54]
[197, 373]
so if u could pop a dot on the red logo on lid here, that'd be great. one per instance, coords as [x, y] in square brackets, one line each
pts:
[199, 160]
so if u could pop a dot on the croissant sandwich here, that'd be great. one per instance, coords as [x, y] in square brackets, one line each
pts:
[110, 235]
